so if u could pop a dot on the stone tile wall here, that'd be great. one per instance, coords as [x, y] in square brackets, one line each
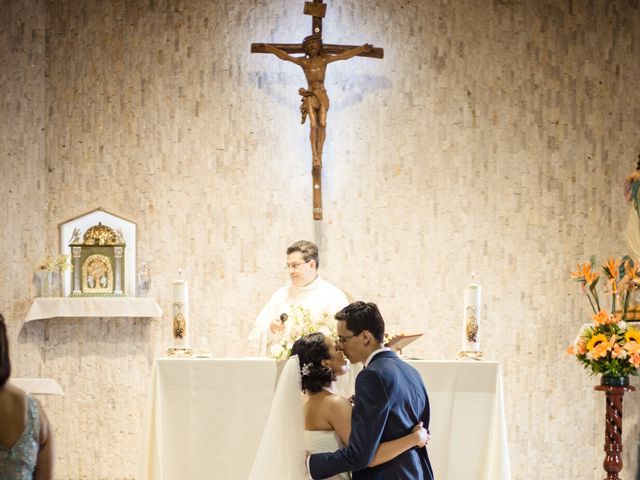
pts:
[493, 138]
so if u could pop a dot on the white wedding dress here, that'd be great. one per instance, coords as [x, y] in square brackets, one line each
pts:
[284, 443]
[324, 441]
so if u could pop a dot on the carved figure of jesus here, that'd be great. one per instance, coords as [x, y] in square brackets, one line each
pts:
[315, 101]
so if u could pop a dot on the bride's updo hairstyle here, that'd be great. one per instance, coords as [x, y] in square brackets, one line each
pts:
[311, 350]
[5, 364]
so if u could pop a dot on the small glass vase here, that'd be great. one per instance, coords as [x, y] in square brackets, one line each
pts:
[144, 281]
[60, 283]
[47, 283]
[51, 284]
[39, 279]
[614, 381]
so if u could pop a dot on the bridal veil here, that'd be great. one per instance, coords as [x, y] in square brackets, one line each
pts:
[282, 452]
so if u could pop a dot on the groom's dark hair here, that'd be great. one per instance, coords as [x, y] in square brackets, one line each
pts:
[362, 316]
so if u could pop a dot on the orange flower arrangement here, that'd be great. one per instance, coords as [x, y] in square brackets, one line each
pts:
[609, 346]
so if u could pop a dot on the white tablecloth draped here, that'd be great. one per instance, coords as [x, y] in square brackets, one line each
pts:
[468, 427]
[43, 307]
[205, 417]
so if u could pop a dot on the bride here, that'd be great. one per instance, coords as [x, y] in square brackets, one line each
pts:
[322, 423]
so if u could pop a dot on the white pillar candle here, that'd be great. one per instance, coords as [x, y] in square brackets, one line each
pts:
[471, 318]
[180, 323]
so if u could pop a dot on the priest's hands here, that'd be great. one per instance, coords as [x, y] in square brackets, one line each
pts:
[276, 326]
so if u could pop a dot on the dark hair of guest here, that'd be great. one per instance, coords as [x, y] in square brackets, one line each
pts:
[5, 363]
[311, 350]
[362, 316]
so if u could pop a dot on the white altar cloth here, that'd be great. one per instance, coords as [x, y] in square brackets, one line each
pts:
[44, 307]
[205, 417]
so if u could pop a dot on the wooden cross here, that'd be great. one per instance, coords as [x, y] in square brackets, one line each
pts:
[315, 101]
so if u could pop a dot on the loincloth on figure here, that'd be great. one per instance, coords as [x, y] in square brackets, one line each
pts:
[312, 101]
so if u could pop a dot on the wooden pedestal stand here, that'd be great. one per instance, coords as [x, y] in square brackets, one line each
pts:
[613, 433]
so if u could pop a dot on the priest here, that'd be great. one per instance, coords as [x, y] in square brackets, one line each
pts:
[307, 290]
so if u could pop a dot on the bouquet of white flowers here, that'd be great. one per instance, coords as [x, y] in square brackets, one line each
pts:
[298, 324]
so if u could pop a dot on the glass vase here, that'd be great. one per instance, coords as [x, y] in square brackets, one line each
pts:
[39, 280]
[50, 283]
[144, 281]
[60, 283]
[614, 381]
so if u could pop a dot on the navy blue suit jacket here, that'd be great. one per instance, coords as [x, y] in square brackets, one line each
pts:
[390, 400]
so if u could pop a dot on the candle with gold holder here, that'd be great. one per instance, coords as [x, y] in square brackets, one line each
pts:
[180, 318]
[471, 322]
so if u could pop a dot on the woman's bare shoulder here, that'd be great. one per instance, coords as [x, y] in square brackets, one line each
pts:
[336, 405]
[12, 397]
[14, 391]
[338, 400]
[338, 412]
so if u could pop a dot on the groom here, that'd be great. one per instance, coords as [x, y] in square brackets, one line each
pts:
[390, 399]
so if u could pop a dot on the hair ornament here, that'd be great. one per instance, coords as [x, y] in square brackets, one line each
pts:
[306, 369]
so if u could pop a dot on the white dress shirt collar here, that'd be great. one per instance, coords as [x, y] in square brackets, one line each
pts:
[373, 354]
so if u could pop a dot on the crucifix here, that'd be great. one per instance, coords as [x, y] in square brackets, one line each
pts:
[315, 101]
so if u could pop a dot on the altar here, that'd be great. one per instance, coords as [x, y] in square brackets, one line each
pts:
[205, 417]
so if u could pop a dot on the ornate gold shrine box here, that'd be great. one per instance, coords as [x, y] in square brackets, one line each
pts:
[98, 262]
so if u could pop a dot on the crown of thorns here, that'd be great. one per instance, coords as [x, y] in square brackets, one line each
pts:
[311, 38]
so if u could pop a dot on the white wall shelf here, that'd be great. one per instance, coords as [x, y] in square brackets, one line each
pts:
[43, 308]
[38, 386]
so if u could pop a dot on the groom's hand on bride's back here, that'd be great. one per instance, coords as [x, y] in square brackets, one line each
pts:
[423, 435]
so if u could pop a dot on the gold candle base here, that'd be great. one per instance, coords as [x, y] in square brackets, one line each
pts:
[470, 355]
[179, 352]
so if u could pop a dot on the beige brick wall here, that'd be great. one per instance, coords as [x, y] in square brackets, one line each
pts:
[23, 175]
[494, 137]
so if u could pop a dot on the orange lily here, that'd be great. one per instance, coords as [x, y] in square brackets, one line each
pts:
[632, 347]
[605, 318]
[600, 350]
[579, 348]
[618, 352]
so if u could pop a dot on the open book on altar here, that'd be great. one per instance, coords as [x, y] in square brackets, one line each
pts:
[399, 342]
